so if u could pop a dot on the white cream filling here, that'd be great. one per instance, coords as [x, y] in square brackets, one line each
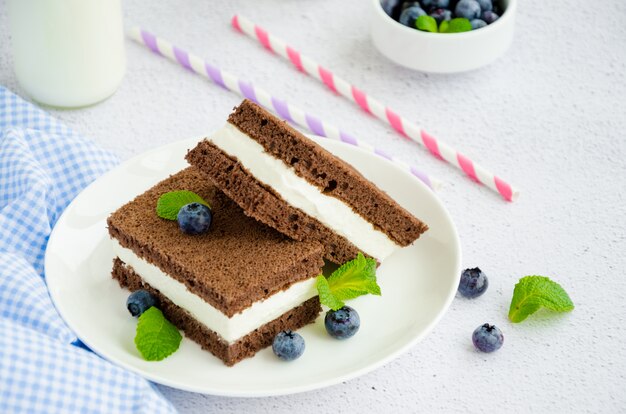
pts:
[230, 329]
[295, 190]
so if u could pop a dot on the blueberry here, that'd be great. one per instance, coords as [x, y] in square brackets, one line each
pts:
[194, 218]
[469, 9]
[410, 15]
[435, 4]
[473, 283]
[140, 301]
[441, 14]
[487, 338]
[392, 7]
[342, 323]
[477, 24]
[288, 345]
[490, 17]
[408, 4]
[485, 5]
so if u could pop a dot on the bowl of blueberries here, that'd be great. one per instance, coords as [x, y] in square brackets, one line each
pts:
[443, 36]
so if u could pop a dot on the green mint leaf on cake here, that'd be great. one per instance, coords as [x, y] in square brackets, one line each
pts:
[170, 203]
[326, 294]
[426, 23]
[156, 337]
[352, 279]
[534, 292]
[458, 25]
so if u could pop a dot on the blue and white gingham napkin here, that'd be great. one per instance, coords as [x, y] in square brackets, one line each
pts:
[43, 367]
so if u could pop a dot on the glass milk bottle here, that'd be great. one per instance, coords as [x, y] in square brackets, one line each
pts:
[67, 53]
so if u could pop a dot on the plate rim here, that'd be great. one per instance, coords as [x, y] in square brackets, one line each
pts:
[316, 385]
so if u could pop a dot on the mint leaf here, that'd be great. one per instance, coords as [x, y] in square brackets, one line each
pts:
[426, 24]
[533, 292]
[458, 25]
[170, 203]
[355, 278]
[326, 295]
[156, 337]
[352, 279]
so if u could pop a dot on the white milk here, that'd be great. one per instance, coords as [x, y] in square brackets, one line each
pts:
[68, 53]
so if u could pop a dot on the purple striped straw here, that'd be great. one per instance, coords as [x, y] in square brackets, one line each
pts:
[280, 107]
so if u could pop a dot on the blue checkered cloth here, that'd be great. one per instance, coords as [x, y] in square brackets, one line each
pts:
[44, 368]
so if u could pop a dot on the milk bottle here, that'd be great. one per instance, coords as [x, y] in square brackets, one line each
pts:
[67, 53]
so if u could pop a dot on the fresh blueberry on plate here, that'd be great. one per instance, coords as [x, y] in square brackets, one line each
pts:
[140, 301]
[342, 323]
[288, 345]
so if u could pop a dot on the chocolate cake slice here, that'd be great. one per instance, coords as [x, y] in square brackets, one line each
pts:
[231, 289]
[287, 181]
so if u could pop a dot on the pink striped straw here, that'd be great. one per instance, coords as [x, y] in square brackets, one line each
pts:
[281, 107]
[374, 107]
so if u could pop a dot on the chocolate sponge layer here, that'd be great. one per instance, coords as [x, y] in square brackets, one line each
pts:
[331, 175]
[230, 354]
[237, 262]
[263, 204]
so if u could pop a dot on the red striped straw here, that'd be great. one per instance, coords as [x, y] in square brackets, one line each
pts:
[280, 107]
[374, 107]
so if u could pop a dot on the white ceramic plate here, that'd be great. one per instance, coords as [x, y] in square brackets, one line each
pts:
[418, 283]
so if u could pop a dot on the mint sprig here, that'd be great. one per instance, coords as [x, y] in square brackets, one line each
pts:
[170, 203]
[156, 337]
[352, 279]
[429, 24]
[534, 292]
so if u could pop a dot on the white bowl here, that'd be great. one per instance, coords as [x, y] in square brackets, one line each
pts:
[442, 52]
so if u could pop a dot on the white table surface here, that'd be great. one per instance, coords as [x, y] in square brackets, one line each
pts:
[550, 116]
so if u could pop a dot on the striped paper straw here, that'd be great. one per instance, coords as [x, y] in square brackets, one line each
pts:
[374, 107]
[283, 109]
